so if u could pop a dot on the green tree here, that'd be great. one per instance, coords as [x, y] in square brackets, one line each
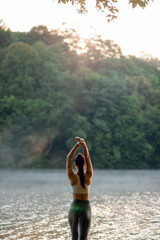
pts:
[97, 50]
[5, 35]
[18, 70]
[49, 93]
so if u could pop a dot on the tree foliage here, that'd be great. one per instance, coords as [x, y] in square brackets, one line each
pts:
[105, 6]
[50, 93]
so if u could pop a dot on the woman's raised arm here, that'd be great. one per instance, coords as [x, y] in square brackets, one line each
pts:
[69, 160]
[87, 157]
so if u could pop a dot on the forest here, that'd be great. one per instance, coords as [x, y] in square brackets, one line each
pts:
[54, 86]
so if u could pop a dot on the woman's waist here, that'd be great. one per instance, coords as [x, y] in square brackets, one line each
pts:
[81, 196]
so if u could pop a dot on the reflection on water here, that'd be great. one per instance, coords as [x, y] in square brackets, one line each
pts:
[33, 216]
[34, 205]
[129, 216]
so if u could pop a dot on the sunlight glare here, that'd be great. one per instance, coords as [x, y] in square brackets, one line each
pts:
[135, 30]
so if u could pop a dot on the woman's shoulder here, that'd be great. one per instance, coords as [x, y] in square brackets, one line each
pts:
[74, 180]
[88, 179]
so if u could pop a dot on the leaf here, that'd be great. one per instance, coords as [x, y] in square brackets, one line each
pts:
[134, 4]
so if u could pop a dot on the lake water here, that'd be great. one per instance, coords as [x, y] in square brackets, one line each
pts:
[125, 205]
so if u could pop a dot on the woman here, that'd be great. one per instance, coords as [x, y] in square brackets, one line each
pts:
[80, 211]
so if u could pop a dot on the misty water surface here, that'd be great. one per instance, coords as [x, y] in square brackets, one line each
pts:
[125, 205]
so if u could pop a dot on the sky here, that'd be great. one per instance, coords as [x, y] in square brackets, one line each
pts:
[136, 31]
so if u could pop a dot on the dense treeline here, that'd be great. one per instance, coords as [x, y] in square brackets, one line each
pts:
[49, 94]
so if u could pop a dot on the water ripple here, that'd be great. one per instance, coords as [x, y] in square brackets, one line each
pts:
[35, 213]
[131, 216]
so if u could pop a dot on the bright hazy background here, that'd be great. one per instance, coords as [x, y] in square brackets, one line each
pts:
[135, 30]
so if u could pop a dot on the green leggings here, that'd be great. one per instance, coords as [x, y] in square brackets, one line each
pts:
[79, 218]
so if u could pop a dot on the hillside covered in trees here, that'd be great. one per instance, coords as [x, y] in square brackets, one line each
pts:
[52, 89]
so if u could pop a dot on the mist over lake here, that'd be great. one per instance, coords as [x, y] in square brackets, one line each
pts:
[125, 204]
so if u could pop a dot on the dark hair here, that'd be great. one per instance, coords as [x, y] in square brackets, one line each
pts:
[80, 161]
